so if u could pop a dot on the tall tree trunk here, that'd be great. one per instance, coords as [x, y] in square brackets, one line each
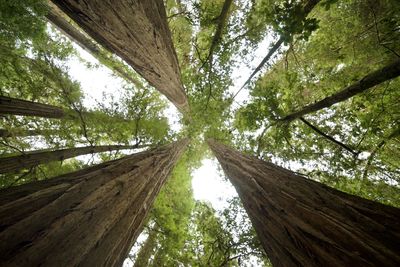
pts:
[137, 31]
[56, 17]
[16, 106]
[21, 133]
[34, 158]
[146, 250]
[381, 75]
[301, 222]
[86, 218]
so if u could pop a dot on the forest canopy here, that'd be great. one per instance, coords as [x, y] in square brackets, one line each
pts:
[309, 85]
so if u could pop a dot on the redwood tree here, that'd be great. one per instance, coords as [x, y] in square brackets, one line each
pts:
[137, 31]
[16, 106]
[301, 222]
[92, 216]
[33, 158]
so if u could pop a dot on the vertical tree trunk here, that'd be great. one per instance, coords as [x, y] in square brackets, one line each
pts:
[34, 158]
[137, 31]
[86, 218]
[381, 75]
[16, 106]
[146, 250]
[301, 222]
[55, 16]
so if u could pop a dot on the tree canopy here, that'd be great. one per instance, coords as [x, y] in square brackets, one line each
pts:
[312, 50]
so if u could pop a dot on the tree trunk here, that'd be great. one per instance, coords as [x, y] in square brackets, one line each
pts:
[34, 158]
[86, 218]
[386, 73]
[146, 250]
[137, 31]
[16, 106]
[56, 17]
[301, 222]
[307, 8]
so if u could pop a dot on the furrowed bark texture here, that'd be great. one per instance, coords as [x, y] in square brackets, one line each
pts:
[34, 158]
[137, 31]
[87, 218]
[301, 222]
[56, 17]
[16, 106]
[386, 73]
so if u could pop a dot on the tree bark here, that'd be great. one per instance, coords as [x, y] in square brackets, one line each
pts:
[137, 31]
[56, 17]
[33, 158]
[301, 222]
[86, 218]
[386, 73]
[16, 106]
[146, 250]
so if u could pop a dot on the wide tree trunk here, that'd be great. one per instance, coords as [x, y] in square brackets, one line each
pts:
[137, 31]
[56, 17]
[16, 106]
[301, 222]
[33, 158]
[381, 75]
[86, 218]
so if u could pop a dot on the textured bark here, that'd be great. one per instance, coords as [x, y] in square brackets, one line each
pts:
[386, 73]
[308, 7]
[146, 250]
[56, 17]
[33, 158]
[137, 31]
[87, 218]
[301, 222]
[16, 106]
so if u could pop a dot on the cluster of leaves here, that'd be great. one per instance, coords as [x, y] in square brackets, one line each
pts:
[354, 38]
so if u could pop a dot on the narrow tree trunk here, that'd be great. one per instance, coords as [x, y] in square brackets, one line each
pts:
[34, 158]
[308, 7]
[137, 31]
[222, 18]
[386, 73]
[24, 133]
[55, 16]
[86, 218]
[16, 106]
[146, 250]
[301, 222]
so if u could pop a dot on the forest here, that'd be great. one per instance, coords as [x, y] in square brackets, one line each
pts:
[297, 100]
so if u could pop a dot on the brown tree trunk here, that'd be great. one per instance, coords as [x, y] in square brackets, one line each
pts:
[301, 222]
[24, 133]
[146, 250]
[56, 17]
[34, 158]
[137, 31]
[86, 218]
[386, 73]
[16, 106]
